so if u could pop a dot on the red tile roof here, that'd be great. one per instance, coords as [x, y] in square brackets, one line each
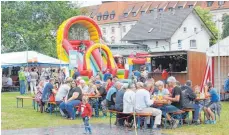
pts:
[120, 7]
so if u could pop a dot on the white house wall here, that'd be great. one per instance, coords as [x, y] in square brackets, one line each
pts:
[162, 45]
[118, 34]
[201, 37]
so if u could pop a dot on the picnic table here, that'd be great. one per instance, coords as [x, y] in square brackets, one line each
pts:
[97, 101]
[21, 98]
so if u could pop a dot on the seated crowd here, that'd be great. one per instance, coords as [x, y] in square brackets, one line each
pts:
[146, 97]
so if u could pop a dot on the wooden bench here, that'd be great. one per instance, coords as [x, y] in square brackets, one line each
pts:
[188, 110]
[54, 105]
[223, 93]
[10, 88]
[21, 98]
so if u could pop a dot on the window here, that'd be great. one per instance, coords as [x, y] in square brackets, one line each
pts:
[131, 26]
[185, 29]
[192, 43]
[195, 30]
[161, 9]
[180, 7]
[99, 16]
[134, 13]
[104, 31]
[112, 30]
[143, 12]
[112, 15]
[105, 17]
[124, 28]
[170, 9]
[190, 6]
[125, 14]
[179, 44]
[209, 3]
[220, 3]
[156, 43]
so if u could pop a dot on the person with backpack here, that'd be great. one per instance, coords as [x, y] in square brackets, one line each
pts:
[226, 84]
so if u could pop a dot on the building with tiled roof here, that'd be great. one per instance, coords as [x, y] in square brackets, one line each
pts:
[116, 18]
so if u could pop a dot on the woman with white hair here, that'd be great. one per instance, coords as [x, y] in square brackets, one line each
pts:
[129, 103]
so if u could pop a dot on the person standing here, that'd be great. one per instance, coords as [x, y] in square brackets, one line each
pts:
[22, 81]
[33, 82]
[86, 113]
[28, 79]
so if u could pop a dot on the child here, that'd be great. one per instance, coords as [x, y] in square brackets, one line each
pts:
[214, 103]
[86, 113]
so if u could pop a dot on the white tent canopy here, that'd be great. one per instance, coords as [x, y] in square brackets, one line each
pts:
[32, 57]
[224, 48]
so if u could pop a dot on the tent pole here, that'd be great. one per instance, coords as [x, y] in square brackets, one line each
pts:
[219, 79]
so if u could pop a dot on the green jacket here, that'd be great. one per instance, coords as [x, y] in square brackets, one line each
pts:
[21, 75]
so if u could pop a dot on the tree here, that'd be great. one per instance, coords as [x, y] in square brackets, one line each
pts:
[225, 20]
[33, 24]
[206, 16]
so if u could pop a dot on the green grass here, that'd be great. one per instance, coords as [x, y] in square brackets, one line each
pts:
[27, 117]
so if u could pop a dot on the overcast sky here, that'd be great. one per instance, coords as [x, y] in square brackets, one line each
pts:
[90, 2]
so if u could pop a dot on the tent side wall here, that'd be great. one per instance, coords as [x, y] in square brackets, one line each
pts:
[224, 70]
[196, 67]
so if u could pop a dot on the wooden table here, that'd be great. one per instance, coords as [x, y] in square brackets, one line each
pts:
[21, 98]
[164, 102]
[97, 101]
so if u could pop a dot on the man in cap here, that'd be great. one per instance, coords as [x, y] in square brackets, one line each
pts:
[100, 91]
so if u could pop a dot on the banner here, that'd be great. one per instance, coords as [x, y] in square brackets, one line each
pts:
[72, 59]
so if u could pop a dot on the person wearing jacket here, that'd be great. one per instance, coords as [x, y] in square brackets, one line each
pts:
[86, 113]
[188, 97]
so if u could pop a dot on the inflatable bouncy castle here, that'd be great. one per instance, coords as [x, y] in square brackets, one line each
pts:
[138, 60]
[90, 59]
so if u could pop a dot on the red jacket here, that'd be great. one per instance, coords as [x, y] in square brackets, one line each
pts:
[85, 110]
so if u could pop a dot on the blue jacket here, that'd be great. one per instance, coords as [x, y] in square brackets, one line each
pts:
[226, 85]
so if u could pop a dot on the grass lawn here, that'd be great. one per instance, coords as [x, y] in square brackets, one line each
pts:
[27, 117]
